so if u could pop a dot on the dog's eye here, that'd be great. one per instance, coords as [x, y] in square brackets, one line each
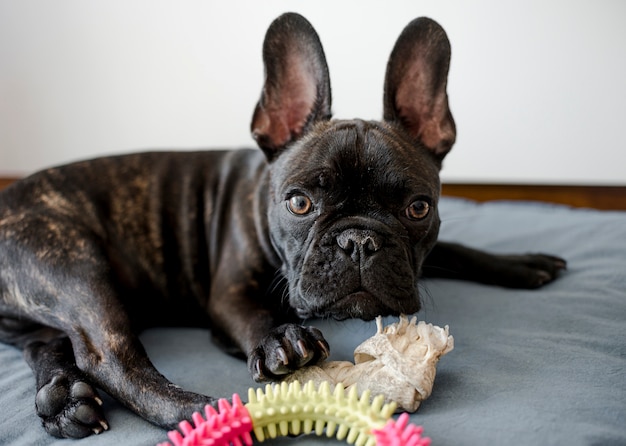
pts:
[299, 205]
[417, 210]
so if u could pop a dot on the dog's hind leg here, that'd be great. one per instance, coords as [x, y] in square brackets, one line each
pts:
[101, 350]
[90, 344]
[68, 370]
[115, 360]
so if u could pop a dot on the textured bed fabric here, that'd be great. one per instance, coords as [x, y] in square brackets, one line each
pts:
[529, 367]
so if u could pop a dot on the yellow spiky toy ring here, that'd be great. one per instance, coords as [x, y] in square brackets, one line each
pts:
[291, 409]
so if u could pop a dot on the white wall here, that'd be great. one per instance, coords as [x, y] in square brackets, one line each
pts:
[538, 88]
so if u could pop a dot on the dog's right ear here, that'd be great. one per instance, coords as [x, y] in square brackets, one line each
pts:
[296, 93]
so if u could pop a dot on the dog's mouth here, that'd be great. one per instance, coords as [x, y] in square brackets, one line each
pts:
[358, 304]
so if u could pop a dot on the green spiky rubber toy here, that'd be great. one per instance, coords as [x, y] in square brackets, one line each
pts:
[293, 409]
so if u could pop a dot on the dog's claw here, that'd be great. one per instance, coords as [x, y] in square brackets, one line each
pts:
[302, 350]
[324, 350]
[282, 355]
[543, 277]
[104, 426]
[258, 372]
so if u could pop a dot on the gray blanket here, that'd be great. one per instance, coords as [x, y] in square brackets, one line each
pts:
[529, 367]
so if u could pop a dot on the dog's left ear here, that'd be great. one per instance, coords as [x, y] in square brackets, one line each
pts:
[415, 86]
[296, 93]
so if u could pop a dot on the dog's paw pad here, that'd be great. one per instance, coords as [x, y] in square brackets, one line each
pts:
[70, 408]
[81, 389]
[285, 349]
[50, 399]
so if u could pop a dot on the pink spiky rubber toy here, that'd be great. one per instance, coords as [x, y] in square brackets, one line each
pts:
[290, 409]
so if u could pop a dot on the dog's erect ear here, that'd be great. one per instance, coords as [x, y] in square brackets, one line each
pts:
[415, 86]
[296, 93]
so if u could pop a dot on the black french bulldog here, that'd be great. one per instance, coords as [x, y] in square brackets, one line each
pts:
[333, 219]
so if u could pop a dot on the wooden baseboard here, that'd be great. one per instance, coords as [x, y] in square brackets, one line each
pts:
[5, 181]
[597, 197]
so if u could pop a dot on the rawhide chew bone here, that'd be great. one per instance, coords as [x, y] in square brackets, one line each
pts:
[399, 362]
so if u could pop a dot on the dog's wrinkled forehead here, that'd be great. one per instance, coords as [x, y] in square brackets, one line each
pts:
[360, 157]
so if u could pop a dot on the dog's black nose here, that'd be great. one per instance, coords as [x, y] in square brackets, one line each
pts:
[359, 242]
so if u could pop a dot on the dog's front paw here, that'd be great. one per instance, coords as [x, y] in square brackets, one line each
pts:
[70, 408]
[285, 349]
[530, 270]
